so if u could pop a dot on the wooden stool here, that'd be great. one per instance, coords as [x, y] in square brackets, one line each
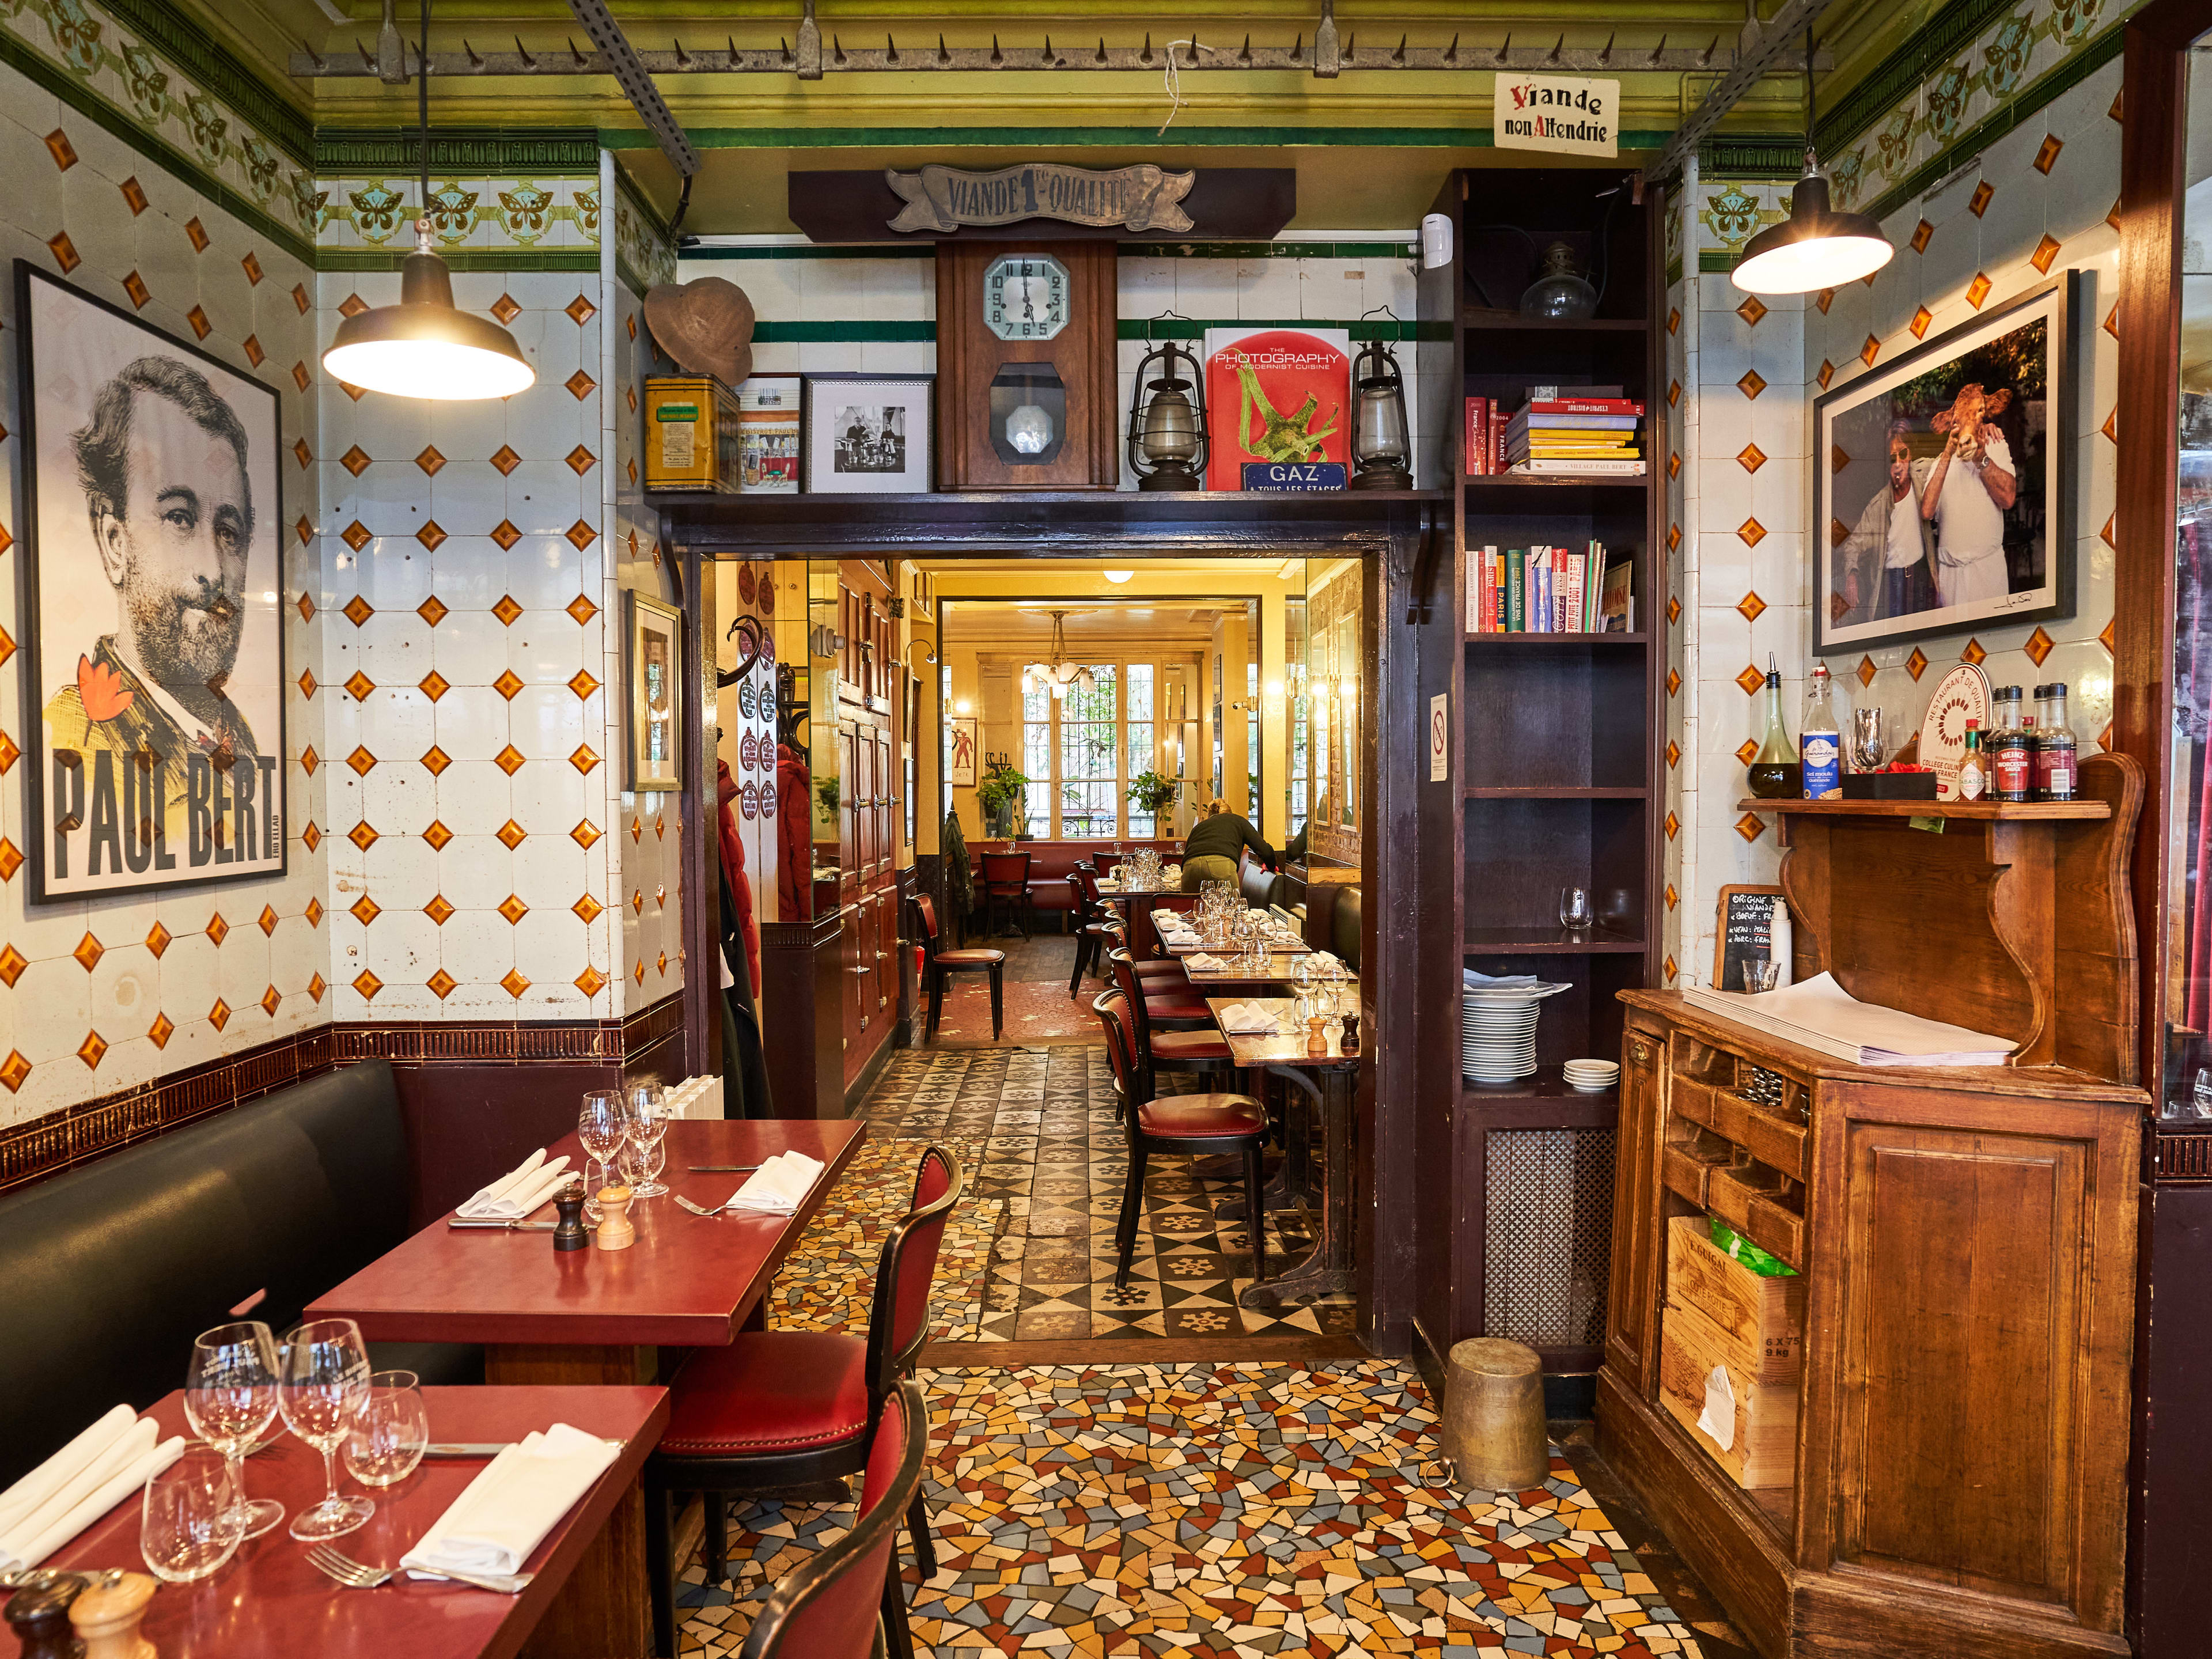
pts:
[1492, 1426]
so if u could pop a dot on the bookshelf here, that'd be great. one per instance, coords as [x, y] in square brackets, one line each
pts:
[1558, 779]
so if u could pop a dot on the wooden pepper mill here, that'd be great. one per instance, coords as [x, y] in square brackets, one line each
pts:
[40, 1616]
[569, 1232]
[1351, 1044]
[1316, 1036]
[615, 1232]
[106, 1618]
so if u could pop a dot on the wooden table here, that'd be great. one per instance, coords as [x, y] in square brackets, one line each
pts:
[1333, 1080]
[267, 1603]
[594, 1316]
[1281, 969]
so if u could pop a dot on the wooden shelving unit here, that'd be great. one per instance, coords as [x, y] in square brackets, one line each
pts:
[1557, 773]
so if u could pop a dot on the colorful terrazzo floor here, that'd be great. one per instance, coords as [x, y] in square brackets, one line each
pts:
[1206, 1511]
[1036, 1132]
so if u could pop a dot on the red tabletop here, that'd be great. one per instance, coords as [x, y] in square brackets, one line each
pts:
[269, 1601]
[688, 1281]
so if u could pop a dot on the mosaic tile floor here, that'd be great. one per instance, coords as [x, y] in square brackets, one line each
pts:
[1047, 1148]
[1206, 1511]
[1038, 1007]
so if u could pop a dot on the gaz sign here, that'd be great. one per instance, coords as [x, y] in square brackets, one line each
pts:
[1565, 114]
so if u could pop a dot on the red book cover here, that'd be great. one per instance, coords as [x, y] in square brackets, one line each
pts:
[1584, 406]
[1498, 423]
[1478, 435]
[1279, 395]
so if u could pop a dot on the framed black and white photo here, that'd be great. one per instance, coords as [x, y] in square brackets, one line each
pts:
[655, 663]
[151, 587]
[869, 434]
[1945, 487]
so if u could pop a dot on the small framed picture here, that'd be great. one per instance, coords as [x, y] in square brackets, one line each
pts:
[768, 435]
[960, 758]
[869, 434]
[656, 707]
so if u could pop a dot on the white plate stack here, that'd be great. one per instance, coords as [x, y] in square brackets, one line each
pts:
[1591, 1076]
[1497, 1025]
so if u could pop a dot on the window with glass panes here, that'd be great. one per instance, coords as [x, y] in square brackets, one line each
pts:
[1090, 758]
[1141, 748]
[1038, 714]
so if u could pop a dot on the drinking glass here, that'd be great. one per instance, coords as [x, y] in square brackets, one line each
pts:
[230, 1401]
[1761, 976]
[1574, 909]
[603, 1125]
[192, 1521]
[648, 1124]
[1867, 745]
[387, 1440]
[324, 1372]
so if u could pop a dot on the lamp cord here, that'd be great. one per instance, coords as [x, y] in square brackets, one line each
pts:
[1808, 91]
[422, 108]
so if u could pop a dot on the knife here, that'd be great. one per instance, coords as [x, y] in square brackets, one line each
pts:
[465, 1448]
[723, 1169]
[502, 1226]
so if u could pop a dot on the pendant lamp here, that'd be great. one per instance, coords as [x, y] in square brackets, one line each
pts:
[424, 347]
[1815, 247]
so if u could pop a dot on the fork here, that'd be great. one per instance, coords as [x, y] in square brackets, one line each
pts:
[356, 1575]
[697, 1209]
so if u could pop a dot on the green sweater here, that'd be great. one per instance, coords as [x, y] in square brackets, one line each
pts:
[1220, 835]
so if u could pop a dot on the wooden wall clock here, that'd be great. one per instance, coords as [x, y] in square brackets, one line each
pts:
[1026, 392]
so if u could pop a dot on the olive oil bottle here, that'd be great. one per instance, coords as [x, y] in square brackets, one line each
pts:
[1777, 773]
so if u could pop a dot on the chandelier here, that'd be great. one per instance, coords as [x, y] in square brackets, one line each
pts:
[1059, 674]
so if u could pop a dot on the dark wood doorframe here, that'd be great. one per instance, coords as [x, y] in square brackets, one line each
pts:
[699, 870]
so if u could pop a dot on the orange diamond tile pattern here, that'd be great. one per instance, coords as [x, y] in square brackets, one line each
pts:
[433, 611]
[431, 535]
[360, 685]
[1674, 393]
[508, 760]
[585, 833]
[270, 1002]
[217, 928]
[1752, 532]
[266, 921]
[361, 760]
[363, 835]
[14, 1071]
[1674, 681]
[513, 834]
[307, 682]
[581, 610]
[314, 913]
[1746, 752]
[1917, 663]
[582, 683]
[1750, 310]
[1750, 827]
[91, 1050]
[316, 987]
[436, 759]
[134, 286]
[1979, 289]
[1751, 383]
[307, 608]
[2045, 251]
[368, 984]
[582, 535]
[1870, 351]
[580, 385]
[2112, 323]
[1974, 654]
[1750, 680]
[1921, 318]
[1921, 233]
[1867, 671]
[584, 760]
[1978, 202]
[1824, 299]
[1672, 824]
[2105, 637]
[303, 379]
[1673, 754]
[587, 910]
[9, 754]
[591, 981]
[437, 834]
[1751, 607]
[198, 319]
[430, 460]
[356, 460]
[356, 536]
[508, 684]
[1674, 610]
[134, 196]
[88, 952]
[438, 909]
[1751, 458]
[352, 306]
[365, 910]
[505, 459]
[434, 685]
[582, 460]
[506, 535]
[506, 309]
[441, 984]
[1673, 320]
[2038, 646]
[1828, 373]
[358, 611]
[514, 909]
[254, 354]
[506, 609]
[13, 961]
[161, 1030]
[513, 984]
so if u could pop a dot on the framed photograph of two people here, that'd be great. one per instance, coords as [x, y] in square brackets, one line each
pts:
[1945, 483]
[150, 604]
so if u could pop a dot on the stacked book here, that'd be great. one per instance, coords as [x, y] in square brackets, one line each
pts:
[1574, 436]
[1548, 590]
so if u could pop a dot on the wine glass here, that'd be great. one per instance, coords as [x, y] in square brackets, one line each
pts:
[324, 1372]
[648, 1124]
[389, 1437]
[230, 1400]
[603, 1125]
[1574, 909]
[190, 1521]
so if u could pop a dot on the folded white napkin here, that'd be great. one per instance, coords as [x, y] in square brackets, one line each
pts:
[520, 1191]
[508, 1509]
[1247, 1019]
[1203, 962]
[81, 1482]
[778, 1186]
[1330, 957]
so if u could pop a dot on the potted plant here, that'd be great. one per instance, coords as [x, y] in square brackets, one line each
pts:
[1001, 796]
[1151, 793]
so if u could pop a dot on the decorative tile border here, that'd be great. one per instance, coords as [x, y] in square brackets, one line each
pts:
[467, 214]
[1291, 249]
[77, 1134]
[464, 152]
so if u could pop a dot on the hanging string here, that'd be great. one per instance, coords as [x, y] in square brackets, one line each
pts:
[1172, 81]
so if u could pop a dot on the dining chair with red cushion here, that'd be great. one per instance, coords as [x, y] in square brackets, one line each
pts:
[777, 1409]
[1213, 1124]
[826, 1608]
[1165, 968]
[1169, 1005]
[1197, 1049]
[1006, 881]
[939, 966]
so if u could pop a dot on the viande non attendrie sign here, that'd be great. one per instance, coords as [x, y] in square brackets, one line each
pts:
[1565, 114]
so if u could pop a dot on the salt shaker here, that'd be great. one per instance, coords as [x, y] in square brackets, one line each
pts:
[40, 1616]
[569, 1232]
[615, 1232]
[106, 1618]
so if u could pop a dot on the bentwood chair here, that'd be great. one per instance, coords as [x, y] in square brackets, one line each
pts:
[1220, 1123]
[938, 966]
[1159, 973]
[1005, 882]
[1193, 1048]
[792, 1408]
[826, 1608]
[1169, 1005]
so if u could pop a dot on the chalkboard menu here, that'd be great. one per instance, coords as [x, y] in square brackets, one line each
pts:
[1745, 933]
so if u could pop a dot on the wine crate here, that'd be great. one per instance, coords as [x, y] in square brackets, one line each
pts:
[1763, 1446]
[1760, 1321]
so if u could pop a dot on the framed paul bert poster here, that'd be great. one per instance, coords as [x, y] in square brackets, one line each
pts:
[151, 586]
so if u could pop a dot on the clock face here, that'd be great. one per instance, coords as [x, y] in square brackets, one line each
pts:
[1025, 297]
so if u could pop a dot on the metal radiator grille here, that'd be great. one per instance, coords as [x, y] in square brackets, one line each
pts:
[1550, 1228]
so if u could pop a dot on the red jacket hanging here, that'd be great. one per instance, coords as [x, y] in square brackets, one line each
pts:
[794, 836]
[734, 872]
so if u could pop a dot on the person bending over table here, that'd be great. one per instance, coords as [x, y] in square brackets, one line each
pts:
[1210, 852]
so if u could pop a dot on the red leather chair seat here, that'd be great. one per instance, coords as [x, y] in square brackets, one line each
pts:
[1176, 1008]
[1189, 1117]
[768, 1392]
[978, 957]
[1173, 1046]
[1164, 968]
